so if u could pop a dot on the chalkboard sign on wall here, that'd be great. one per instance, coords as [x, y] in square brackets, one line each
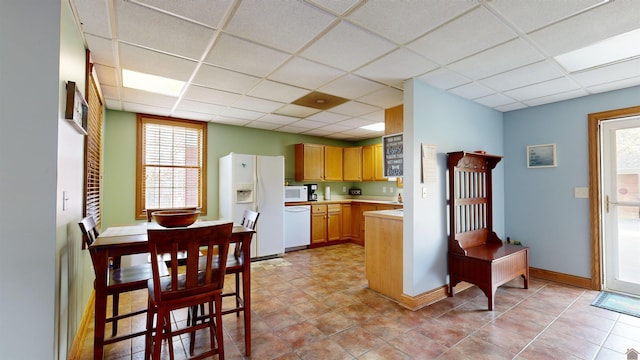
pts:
[392, 148]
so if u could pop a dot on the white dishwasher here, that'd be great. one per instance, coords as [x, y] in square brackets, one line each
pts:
[297, 226]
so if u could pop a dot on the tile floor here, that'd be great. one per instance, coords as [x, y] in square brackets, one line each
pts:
[314, 304]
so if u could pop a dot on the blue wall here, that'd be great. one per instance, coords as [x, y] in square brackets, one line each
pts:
[451, 123]
[541, 210]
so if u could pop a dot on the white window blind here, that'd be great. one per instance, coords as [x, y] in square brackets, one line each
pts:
[172, 168]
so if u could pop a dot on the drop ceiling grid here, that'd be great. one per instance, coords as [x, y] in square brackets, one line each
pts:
[265, 54]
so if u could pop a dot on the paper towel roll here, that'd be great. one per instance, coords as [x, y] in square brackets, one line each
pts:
[327, 193]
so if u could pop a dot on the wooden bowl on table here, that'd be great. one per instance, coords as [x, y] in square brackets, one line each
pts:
[175, 218]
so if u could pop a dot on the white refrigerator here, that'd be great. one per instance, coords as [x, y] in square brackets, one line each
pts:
[256, 183]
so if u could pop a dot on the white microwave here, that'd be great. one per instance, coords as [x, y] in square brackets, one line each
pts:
[295, 193]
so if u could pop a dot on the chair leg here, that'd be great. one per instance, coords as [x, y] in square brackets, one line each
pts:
[237, 293]
[218, 320]
[114, 312]
[148, 341]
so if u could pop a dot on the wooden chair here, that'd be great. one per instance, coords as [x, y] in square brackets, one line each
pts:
[149, 212]
[236, 265]
[119, 280]
[476, 254]
[188, 288]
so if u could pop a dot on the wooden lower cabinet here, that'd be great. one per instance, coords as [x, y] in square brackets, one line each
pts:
[326, 223]
[346, 222]
[318, 224]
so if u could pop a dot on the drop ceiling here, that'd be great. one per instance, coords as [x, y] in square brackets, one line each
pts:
[245, 62]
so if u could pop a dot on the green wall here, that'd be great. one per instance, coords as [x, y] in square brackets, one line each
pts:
[120, 162]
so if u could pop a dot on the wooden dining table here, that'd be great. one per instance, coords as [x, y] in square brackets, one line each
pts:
[118, 241]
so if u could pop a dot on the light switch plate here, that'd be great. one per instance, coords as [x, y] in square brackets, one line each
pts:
[581, 192]
[424, 193]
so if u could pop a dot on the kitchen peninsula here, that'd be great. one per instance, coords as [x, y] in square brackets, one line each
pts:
[383, 253]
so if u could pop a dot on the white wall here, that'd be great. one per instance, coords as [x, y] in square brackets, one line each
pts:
[29, 100]
[451, 123]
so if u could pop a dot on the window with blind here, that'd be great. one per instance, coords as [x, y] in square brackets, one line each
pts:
[93, 154]
[171, 164]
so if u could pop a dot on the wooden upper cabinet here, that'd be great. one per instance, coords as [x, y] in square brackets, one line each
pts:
[309, 162]
[394, 120]
[332, 163]
[352, 165]
[372, 163]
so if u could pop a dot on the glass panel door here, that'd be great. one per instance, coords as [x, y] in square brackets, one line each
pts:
[620, 164]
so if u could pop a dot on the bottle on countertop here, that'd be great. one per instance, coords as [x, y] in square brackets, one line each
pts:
[400, 198]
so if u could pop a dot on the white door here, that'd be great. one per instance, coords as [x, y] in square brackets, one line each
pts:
[620, 174]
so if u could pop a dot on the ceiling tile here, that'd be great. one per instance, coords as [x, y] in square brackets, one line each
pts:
[296, 110]
[317, 132]
[210, 96]
[616, 85]
[305, 74]
[222, 79]
[107, 75]
[443, 78]
[374, 117]
[396, 67]
[347, 47]
[605, 74]
[354, 108]
[206, 12]
[256, 104]
[272, 90]
[278, 119]
[95, 17]
[286, 25]
[407, 19]
[200, 107]
[240, 55]
[241, 114]
[231, 121]
[351, 87]
[472, 33]
[110, 92]
[193, 115]
[531, 15]
[161, 31]
[605, 21]
[523, 76]
[145, 109]
[386, 98]
[338, 7]
[113, 104]
[292, 129]
[496, 60]
[328, 117]
[262, 125]
[355, 122]
[471, 91]
[556, 97]
[307, 124]
[556, 86]
[102, 50]
[155, 63]
[334, 128]
[495, 100]
[144, 97]
[511, 107]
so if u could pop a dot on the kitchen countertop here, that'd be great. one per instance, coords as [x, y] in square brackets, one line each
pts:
[342, 201]
[397, 214]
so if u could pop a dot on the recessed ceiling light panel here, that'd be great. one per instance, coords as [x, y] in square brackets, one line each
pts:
[151, 83]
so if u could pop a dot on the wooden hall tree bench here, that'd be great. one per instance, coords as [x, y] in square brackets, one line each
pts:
[476, 254]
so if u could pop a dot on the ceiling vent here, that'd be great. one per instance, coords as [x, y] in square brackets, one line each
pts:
[320, 101]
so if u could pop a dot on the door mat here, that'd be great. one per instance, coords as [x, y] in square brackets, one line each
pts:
[619, 303]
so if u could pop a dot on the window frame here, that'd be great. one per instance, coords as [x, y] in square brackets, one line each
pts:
[142, 120]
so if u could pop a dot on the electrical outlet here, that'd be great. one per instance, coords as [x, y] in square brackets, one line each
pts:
[344, 189]
[384, 189]
[390, 188]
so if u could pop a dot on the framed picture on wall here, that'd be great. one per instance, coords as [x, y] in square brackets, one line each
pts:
[541, 156]
[76, 109]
